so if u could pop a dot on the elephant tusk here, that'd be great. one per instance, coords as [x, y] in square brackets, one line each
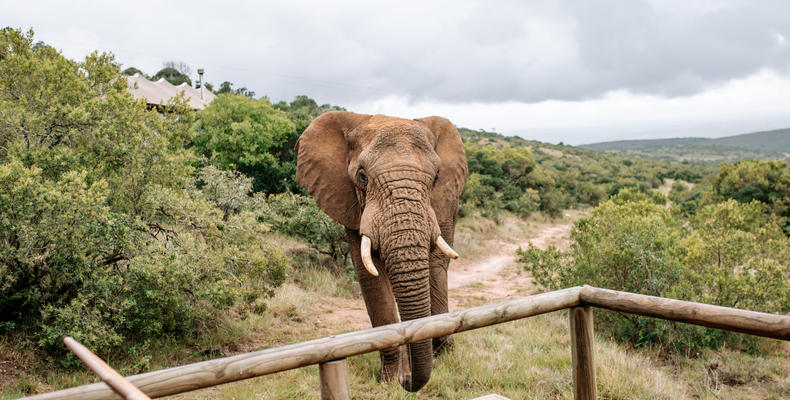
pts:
[367, 260]
[445, 248]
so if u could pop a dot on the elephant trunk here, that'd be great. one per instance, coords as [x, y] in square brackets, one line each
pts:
[405, 247]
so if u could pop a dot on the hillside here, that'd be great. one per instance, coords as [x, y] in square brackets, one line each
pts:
[591, 165]
[767, 145]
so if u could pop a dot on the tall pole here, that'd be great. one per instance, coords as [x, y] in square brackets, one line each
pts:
[200, 74]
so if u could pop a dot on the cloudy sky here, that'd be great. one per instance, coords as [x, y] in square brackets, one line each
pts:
[572, 71]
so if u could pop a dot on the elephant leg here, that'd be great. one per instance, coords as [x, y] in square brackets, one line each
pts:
[439, 298]
[381, 307]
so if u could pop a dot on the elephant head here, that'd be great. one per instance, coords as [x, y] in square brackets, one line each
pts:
[394, 184]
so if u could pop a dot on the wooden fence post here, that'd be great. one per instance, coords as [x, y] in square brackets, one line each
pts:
[582, 359]
[334, 380]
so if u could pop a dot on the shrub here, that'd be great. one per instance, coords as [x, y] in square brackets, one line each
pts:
[74, 267]
[764, 181]
[236, 132]
[590, 194]
[740, 252]
[300, 216]
[626, 195]
[623, 245]
[104, 234]
[525, 204]
[732, 255]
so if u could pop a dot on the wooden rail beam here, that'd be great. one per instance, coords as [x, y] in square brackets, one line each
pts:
[105, 372]
[732, 319]
[243, 366]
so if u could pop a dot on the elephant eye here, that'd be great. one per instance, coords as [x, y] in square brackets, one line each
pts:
[363, 179]
[436, 179]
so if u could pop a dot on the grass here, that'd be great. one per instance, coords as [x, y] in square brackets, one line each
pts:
[521, 360]
[474, 233]
[728, 374]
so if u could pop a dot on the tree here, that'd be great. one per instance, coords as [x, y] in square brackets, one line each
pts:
[302, 110]
[227, 88]
[765, 181]
[236, 132]
[208, 85]
[104, 233]
[172, 75]
[131, 71]
[179, 66]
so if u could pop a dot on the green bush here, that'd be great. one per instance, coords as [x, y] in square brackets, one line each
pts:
[730, 254]
[765, 181]
[627, 195]
[740, 252]
[630, 246]
[480, 194]
[300, 216]
[108, 233]
[236, 132]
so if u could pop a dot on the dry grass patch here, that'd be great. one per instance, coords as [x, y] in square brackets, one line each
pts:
[729, 374]
[527, 359]
[474, 234]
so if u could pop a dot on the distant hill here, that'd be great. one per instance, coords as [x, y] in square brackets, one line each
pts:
[768, 145]
[578, 164]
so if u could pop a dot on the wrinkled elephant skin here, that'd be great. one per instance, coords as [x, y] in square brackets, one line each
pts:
[394, 184]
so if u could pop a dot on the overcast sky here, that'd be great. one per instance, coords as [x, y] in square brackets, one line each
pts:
[571, 71]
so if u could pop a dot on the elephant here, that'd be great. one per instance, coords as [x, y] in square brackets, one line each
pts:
[394, 184]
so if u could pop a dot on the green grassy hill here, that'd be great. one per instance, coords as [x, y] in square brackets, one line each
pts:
[778, 140]
[555, 177]
[602, 164]
[767, 145]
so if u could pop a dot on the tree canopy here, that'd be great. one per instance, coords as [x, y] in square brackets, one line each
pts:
[106, 214]
[765, 181]
[172, 75]
[236, 132]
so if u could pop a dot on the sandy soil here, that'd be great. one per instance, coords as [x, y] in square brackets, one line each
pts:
[498, 276]
[492, 278]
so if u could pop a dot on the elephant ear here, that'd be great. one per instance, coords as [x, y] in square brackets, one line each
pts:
[453, 169]
[322, 165]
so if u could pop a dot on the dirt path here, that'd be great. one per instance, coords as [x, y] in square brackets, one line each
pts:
[498, 276]
[491, 278]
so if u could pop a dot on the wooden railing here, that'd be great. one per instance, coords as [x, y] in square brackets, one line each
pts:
[330, 352]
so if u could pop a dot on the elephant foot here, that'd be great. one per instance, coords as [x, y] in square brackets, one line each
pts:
[388, 373]
[442, 345]
[395, 365]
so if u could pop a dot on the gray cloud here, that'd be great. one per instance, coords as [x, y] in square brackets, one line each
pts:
[443, 51]
[659, 51]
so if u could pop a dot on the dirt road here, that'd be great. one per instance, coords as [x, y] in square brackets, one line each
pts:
[498, 276]
[491, 278]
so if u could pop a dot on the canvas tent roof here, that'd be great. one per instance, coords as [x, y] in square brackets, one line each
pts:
[161, 91]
